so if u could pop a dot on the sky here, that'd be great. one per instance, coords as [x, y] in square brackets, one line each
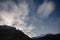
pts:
[33, 17]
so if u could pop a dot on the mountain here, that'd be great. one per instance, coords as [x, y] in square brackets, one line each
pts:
[10, 33]
[49, 37]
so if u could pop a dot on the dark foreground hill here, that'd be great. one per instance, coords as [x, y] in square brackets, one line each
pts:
[49, 37]
[10, 33]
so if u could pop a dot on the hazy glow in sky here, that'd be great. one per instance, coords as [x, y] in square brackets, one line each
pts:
[33, 17]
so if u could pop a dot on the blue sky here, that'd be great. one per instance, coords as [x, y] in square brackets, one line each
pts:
[33, 17]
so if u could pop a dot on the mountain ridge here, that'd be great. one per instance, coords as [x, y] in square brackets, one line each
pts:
[11, 33]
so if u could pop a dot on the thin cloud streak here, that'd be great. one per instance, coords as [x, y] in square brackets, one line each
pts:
[46, 9]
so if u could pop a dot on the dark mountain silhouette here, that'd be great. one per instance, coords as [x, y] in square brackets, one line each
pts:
[11, 33]
[49, 37]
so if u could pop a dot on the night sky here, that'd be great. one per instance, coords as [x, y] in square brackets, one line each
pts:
[33, 17]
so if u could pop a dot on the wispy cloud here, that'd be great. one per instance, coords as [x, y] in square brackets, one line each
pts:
[41, 19]
[13, 15]
[46, 9]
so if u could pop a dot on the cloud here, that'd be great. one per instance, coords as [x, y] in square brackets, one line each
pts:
[42, 21]
[46, 9]
[13, 15]
[39, 23]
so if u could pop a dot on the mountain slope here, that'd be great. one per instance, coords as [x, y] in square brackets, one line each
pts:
[10, 33]
[49, 37]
